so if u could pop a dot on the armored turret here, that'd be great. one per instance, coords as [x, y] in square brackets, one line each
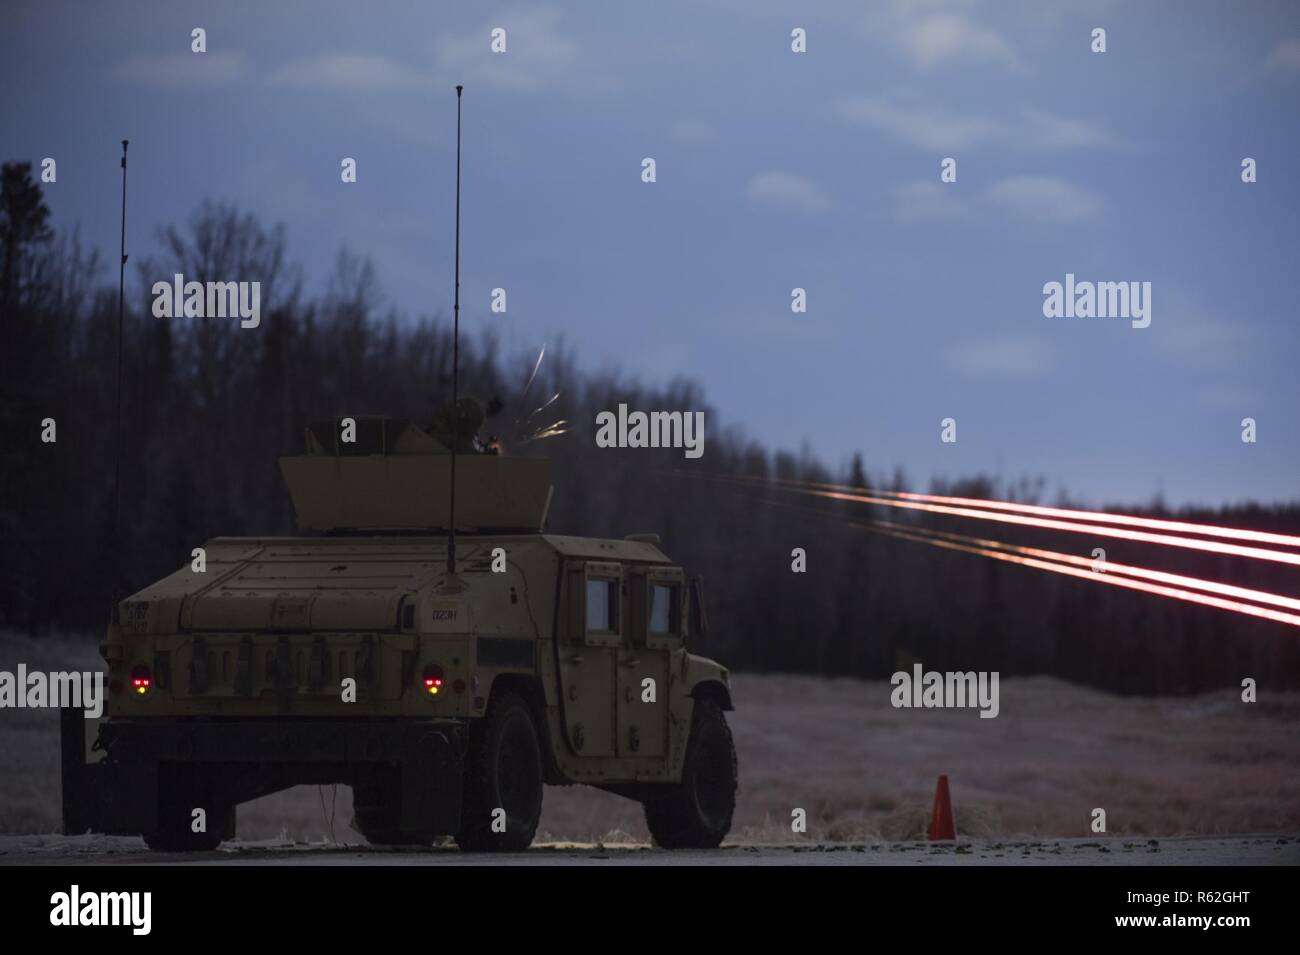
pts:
[394, 475]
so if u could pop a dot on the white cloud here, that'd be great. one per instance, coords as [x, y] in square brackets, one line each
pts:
[183, 70]
[926, 201]
[1001, 358]
[1030, 198]
[920, 126]
[1286, 56]
[939, 38]
[349, 71]
[936, 129]
[1051, 131]
[1188, 336]
[1043, 199]
[787, 191]
[538, 53]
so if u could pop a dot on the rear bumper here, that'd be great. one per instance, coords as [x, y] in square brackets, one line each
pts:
[273, 741]
[149, 764]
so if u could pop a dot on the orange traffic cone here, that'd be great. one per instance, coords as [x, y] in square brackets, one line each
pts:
[941, 823]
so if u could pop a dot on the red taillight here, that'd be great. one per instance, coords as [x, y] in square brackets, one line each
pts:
[433, 679]
[141, 680]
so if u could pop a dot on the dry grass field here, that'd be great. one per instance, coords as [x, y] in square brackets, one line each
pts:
[862, 770]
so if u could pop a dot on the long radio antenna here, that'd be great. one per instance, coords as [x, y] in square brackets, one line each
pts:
[455, 363]
[117, 423]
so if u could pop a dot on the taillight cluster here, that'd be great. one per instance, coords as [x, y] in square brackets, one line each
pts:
[433, 679]
[141, 680]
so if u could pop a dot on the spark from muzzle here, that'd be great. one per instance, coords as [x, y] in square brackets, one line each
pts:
[526, 431]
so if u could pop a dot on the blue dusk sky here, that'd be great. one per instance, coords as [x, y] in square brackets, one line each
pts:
[775, 170]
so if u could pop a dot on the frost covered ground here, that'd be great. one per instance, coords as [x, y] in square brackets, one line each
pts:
[863, 771]
[1097, 851]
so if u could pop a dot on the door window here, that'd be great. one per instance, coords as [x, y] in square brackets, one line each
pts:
[602, 605]
[664, 611]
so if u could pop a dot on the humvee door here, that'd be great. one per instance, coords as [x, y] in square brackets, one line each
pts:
[655, 631]
[588, 648]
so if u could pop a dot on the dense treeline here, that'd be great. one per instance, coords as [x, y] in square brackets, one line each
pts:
[207, 408]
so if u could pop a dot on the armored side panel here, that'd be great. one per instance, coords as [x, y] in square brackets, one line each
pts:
[412, 491]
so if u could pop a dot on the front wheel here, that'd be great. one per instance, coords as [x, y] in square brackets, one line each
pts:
[502, 801]
[696, 813]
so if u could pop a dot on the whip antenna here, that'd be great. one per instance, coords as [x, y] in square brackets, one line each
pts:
[455, 363]
[117, 424]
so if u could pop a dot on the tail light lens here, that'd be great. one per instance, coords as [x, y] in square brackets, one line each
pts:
[433, 679]
[141, 680]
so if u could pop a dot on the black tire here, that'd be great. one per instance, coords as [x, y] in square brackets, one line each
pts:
[174, 833]
[503, 770]
[696, 813]
[377, 808]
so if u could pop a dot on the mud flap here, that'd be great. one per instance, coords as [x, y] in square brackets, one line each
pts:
[103, 796]
[80, 779]
[108, 796]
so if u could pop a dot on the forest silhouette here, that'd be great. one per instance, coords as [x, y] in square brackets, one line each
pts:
[209, 407]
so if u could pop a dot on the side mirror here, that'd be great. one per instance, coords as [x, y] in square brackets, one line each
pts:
[699, 622]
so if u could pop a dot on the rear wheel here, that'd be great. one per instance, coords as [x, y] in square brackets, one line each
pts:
[696, 813]
[377, 810]
[502, 800]
[177, 817]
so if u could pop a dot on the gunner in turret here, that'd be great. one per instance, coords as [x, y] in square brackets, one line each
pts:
[462, 428]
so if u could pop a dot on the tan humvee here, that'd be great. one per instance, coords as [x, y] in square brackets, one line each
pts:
[445, 700]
